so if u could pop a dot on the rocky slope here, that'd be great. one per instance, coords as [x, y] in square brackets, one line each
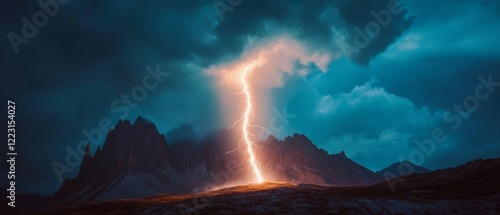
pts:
[473, 188]
[297, 160]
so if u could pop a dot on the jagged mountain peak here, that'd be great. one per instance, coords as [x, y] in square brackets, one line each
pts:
[142, 120]
[342, 154]
[128, 148]
[297, 159]
[139, 121]
[297, 138]
[272, 138]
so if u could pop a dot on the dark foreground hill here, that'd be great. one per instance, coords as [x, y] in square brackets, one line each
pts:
[473, 188]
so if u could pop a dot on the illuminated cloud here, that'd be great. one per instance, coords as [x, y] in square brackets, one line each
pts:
[282, 56]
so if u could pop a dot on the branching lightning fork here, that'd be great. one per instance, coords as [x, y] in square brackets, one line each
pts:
[246, 122]
[246, 118]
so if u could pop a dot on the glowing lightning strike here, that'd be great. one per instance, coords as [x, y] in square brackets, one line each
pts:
[245, 126]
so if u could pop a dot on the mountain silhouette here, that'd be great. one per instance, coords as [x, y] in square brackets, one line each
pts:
[402, 168]
[137, 162]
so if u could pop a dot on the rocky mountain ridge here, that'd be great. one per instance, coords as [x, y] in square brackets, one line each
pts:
[137, 162]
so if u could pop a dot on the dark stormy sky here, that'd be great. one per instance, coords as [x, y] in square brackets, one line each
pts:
[371, 94]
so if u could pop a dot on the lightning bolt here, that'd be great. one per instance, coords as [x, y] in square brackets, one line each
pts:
[246, 121]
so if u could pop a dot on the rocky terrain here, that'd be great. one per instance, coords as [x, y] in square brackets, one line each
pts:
[473, 188]
[137, 162]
